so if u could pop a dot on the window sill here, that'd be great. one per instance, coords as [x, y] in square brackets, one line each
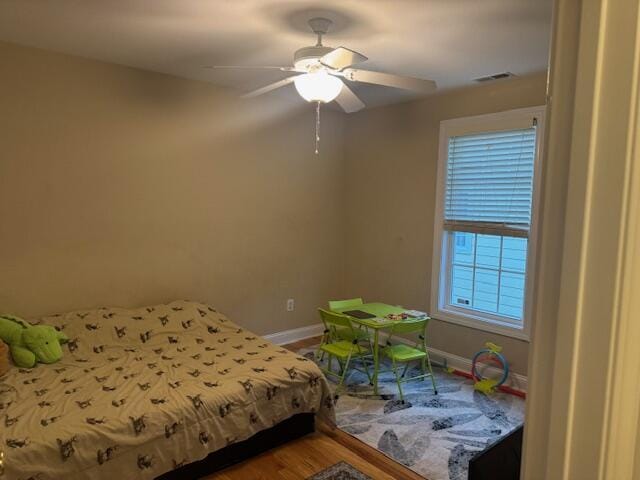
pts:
[484, 325]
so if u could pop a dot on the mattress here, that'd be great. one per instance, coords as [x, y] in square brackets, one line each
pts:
[141, 392]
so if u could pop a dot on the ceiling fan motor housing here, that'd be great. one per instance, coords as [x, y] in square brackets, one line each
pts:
[307, 58]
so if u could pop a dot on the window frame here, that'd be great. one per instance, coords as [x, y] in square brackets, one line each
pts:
[440, 310]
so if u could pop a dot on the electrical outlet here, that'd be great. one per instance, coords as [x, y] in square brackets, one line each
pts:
[291, 305]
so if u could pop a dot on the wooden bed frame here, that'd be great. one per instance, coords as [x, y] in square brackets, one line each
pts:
[285, 431]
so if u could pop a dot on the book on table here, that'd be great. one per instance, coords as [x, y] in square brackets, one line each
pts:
[359, 314]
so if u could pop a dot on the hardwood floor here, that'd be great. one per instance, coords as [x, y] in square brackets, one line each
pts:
[299, 459]
[307, 342]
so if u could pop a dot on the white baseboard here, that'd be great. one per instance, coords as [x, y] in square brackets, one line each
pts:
[440, 357]
[295, 334]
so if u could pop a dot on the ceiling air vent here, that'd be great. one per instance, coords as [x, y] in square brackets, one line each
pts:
[495, 76]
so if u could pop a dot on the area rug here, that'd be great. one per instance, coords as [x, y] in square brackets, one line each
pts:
[433, 435]
[340, 471]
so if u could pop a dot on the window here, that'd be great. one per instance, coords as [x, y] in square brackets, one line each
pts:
[485, 220]
[488, 274]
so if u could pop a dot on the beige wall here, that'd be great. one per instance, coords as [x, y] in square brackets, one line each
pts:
[391, 160]
[124, 187]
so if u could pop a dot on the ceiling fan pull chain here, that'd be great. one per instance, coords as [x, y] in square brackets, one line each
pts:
[317, 126]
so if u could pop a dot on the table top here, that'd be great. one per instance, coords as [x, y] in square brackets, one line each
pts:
[380, 310]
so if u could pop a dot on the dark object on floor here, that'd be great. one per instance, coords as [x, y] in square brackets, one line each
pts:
[501, 461]
[340, 471]
[285, 431]
[359, 314]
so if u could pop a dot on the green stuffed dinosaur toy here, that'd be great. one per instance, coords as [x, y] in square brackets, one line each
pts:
[31, 343]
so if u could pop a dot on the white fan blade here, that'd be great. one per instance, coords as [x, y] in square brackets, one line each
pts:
[341, 57]
[390, 80]
[348, 100]
[268, 88]
[249, 67]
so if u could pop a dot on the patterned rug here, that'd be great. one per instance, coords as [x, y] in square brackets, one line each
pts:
[340, 471]
[433, 435]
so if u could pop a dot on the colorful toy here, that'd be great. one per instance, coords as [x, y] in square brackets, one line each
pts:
[409, 314]
[397, 316]
[30, 344]
[491, 354]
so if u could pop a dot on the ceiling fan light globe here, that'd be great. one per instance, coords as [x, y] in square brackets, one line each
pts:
[318, 86]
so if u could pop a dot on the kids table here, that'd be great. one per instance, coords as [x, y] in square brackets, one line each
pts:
[377, 323]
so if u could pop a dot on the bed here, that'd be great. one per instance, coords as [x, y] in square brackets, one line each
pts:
[147, 391]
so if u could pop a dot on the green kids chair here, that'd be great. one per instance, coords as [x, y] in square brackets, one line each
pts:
[343, 350]
[405, 354]
[359, 333]
[351, 302]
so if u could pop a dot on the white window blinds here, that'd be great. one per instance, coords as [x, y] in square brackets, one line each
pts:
[489, 182]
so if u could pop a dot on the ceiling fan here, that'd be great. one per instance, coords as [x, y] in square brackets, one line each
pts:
[318, 71]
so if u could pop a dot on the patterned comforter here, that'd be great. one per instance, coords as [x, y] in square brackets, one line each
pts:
[141, 392]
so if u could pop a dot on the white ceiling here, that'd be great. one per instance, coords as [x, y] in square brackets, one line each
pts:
[449, 41]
